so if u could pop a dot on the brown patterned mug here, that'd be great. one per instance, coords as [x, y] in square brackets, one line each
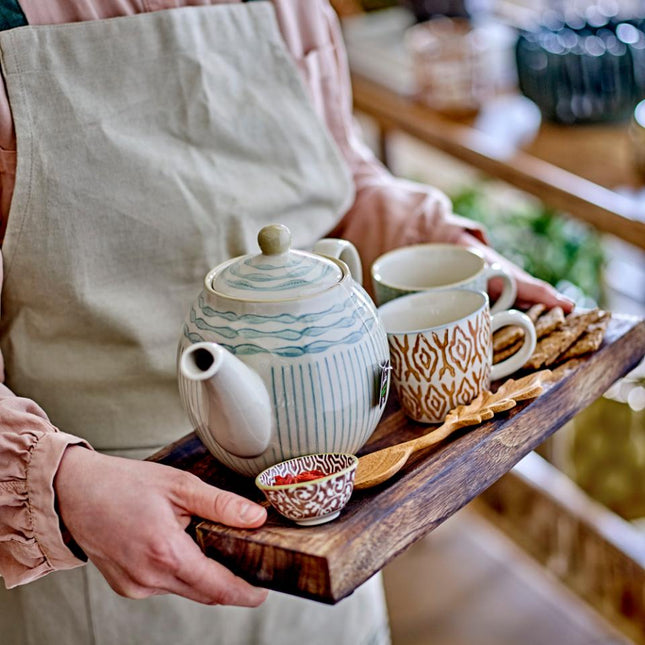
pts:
[442, 352]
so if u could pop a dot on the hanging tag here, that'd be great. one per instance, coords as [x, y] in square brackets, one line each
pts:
[384, 384]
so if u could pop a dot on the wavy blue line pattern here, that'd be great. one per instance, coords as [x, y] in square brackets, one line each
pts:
[296, 272]
[264, 276]
[292, 334]
[284, 334]
[292, 260]
[236, 340]
[287, 285]
[317, 347]
[261, 319]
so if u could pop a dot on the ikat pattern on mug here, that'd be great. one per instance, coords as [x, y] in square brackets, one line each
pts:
[436, 372]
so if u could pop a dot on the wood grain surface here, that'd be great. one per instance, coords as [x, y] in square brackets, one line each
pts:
[329, 561]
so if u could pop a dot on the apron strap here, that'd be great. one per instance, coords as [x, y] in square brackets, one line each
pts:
[11, 15]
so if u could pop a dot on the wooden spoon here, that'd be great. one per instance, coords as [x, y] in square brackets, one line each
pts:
[378, 466]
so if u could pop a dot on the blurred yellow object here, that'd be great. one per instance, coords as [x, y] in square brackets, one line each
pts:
[346, 7]
[603, 449]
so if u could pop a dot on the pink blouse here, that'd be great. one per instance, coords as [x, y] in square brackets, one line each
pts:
[387, 213]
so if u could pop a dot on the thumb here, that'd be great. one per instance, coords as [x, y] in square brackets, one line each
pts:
[219, 505]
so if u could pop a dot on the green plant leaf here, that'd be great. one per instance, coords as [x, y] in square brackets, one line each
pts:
[547, 244]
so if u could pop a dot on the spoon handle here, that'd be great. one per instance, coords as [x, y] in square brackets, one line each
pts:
[482, 408]
[435, 436]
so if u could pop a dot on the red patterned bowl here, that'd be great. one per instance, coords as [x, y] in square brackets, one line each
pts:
[314, 501]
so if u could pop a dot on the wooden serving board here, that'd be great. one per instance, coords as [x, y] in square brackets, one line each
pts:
[328, 562]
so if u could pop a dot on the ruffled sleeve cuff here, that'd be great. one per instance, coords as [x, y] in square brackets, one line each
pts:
[31, 542]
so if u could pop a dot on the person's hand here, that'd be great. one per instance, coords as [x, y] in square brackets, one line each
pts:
[530, 290]
[130, 518]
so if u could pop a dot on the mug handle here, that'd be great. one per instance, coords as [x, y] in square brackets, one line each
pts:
[512, 364]
[509, 292]
[342, 250]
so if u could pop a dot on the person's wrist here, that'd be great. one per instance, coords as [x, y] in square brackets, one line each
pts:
[60, 481]
[70, 542]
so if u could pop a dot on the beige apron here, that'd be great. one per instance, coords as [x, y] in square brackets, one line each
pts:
[150, 148]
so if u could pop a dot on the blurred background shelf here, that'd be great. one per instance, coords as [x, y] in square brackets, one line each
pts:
[579, 195]
[469, 584]
[561, 188]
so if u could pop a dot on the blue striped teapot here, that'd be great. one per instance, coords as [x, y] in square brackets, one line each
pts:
[283, 354]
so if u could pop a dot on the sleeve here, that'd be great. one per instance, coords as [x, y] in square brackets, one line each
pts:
[31, 540]
[387, 212]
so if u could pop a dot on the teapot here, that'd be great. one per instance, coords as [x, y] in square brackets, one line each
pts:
[283, 354]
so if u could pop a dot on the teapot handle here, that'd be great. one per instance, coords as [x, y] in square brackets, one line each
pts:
[344, 251]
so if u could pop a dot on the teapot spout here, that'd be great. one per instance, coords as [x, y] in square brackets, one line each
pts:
[236, 402]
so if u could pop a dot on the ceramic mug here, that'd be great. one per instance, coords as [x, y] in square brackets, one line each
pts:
[441, 349]
[431, 267]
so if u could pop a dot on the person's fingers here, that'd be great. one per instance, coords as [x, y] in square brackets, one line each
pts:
[174, 564]
[207, 581]
[495, 288]
[122, 582]
[215, 504]
[532, 291]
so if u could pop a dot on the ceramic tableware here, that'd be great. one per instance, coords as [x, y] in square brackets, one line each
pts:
[283, 354]
[314, 501]
[441, 349]
[433, 267]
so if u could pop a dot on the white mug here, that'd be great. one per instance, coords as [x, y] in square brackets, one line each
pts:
[441, 349]
[432, 267]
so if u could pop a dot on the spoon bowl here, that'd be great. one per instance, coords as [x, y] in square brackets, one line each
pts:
[379, 466]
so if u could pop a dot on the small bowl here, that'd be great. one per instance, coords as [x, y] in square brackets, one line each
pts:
[310, 502]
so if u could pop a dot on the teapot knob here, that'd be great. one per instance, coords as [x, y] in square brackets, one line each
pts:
[274, 239]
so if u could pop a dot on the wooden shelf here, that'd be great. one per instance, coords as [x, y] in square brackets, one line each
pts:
[591, 158]
[594, 552]
[329, 561]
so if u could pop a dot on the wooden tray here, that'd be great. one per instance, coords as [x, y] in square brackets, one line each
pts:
[328, 562]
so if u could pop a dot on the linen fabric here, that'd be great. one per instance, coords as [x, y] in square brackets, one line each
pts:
[164, 168]
[158, 175]
[77, 607]
[386, 213]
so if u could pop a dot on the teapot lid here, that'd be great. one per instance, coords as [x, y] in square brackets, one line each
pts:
[278, 273]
